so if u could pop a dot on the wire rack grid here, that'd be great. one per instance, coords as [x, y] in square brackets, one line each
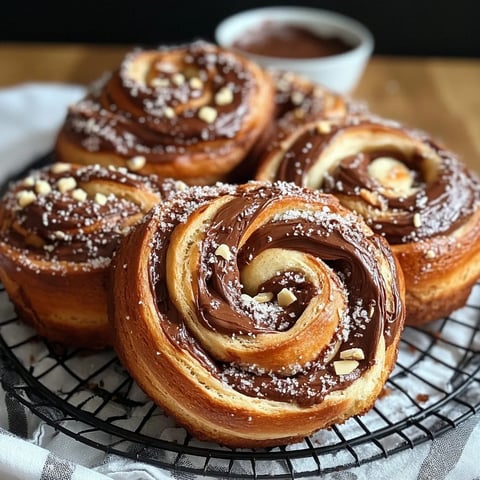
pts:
[90, 397]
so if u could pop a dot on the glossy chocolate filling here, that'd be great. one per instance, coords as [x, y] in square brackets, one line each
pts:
[443, 202]
[312, 229]
[160, 120]
[58, 227]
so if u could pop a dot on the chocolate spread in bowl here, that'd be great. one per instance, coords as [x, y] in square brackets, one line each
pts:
[283, 40]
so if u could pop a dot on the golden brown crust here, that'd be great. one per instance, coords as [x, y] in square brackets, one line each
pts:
[59, 227]
[172, 353]
[68, 309]
[190, 112]
[440, 272]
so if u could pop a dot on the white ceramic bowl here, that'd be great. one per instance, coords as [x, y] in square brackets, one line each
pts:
[338, 72]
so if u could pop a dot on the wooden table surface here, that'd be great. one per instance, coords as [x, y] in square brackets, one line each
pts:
[438, 95]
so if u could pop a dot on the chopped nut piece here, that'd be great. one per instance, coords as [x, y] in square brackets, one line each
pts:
[60, 167]
[263, 297]
[178, 79]
[136, 163]
[60, 235]
[160, 82]
[224, 96]
[195, 83]
[246, 298]
[417, 220]
[297, 98]
[282, 85]
[324, 127]
[100, 198]
[352, 354]
[207, 114]
[391, 173]
[223, 251]
[79, 194]
[169, 112]
[28, 182]
[285, 297]
[66, 184]
[165, 67]
[25, 197]
[180, 186]
[42, 187]
[430, 254]
[344, 367]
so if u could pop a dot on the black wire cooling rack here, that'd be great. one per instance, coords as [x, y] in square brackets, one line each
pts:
[434, 387]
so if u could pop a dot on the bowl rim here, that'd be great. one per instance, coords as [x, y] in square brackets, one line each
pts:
[327, 17]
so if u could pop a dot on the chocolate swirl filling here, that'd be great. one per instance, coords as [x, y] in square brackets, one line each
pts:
[152, 105]
[443, 194]
[73, 221]
[311, 227]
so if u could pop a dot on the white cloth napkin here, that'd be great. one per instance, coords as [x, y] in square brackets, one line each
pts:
[32, 450]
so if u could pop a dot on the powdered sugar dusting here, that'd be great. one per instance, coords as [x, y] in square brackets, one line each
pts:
[71, 224]
[153, 105]
[319, 225]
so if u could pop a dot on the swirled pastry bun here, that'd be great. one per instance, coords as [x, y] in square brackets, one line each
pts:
[59, 227]
[190, 112]
[298, 101]
[257, 314]
[415, 193]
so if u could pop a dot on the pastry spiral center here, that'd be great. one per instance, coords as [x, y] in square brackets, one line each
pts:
[273, 286]
[392, 174]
